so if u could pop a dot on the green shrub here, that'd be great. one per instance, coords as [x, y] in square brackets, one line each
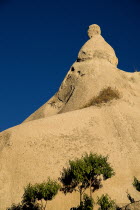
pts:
[44, 191]
[86, 204]
[38, 192]
[136, 184]
[106, 203]
[29, 195]
[105, 95]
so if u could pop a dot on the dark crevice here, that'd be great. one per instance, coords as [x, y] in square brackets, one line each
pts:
[79, 72]
[72, 68]
[73, 88]
[78, 60]
[60, 99]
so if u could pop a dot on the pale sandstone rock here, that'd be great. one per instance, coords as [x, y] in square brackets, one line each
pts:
[95, 59]
[43, 144]
[94, 30]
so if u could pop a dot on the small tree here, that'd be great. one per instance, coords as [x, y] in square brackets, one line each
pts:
[29, 196]
[87, 204]
[136, 184]
[96, 165]
[39, 192]
[106, 203]
[85, 172]
[72, 177]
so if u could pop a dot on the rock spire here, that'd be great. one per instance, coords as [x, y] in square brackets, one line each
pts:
[77, 88]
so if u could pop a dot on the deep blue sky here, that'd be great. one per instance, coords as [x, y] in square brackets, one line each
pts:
[40, 39]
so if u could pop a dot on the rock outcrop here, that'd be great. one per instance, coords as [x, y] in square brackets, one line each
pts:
[80, 83]
[74, 121]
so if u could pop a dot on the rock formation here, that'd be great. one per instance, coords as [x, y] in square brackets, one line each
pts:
[79, 85]
[74, 121]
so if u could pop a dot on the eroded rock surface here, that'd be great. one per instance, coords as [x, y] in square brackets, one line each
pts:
[94, 58]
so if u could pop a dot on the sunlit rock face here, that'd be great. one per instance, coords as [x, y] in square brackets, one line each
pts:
[97, 47]
[74, 121]
[95, 58]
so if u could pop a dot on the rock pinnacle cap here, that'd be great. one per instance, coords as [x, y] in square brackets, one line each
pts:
[94, 30]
